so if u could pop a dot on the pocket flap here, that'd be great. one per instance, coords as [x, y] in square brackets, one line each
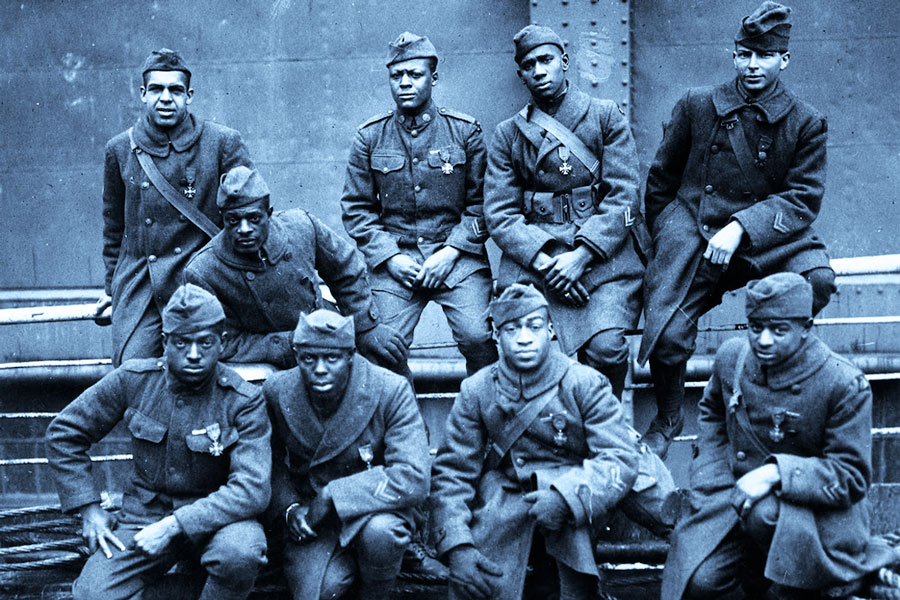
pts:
[455, 156]
[201, 442]
[387, 163]
[144, 428]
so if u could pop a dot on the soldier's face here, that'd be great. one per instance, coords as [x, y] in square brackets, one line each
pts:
[192, 357]
[411, 83]
[774, 341]
[525, 342]
[324, 371]
[166, 95]
[758, 71]
[247, 227]
[543, 71]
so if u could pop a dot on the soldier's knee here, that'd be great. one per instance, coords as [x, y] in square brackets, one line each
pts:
[822, 282]
[707, 584]
[384, 535]
[607, 348]
[236, 552]
[760, 523]
[336, 583]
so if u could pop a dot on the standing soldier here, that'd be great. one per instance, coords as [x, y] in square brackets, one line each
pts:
[159, 202]
[783, 464]
[736, 183]
[264, 268]
[201, 467]
[350, 461]
[561, 196]
[413, 203]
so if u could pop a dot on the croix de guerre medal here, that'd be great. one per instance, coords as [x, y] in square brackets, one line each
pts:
[213, 432]
[365, 453]
[776, 434]
[446, 168]
[565, 168]
[559, 424]
[190, 175]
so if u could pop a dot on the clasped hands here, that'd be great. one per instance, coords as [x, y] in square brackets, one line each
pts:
[753, 486]
[562, 273]
[429, 275]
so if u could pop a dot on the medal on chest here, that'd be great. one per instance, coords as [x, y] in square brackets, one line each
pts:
[366, 454]
[558, 421]
[446, 168]
[214, 432]
[565, 168]
[779, 417]
[190, 176]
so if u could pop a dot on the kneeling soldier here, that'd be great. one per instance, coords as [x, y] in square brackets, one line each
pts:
[200, 439]
[783, 467]
[535, 442]
[350, 463]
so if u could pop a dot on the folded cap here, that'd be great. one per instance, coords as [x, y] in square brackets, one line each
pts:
[239, 187]
[780, 296]
[324, 329]
[164, 60]
[191, 308]
[532, 36]
[408, 46]
[768, 29]
[516, 301]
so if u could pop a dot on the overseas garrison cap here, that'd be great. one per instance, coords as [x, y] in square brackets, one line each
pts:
[164, 60]
[780, 296]
[768, 29]
[191, 308]
[239, 187]
[532, 36]
[408, 46]
[516, 301]
[324, 329]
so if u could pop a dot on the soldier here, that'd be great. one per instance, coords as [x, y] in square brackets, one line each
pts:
[536, 443]
[736, 183]
[201, 467]
[159, 193]
[265, 269]
[350, 461]
[413, 202]
[561, 194]
[783, 465]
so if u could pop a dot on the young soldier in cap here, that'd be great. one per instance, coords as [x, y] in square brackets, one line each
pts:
[350, 461]
[265, 270]
[147, 239]
[201, 467]
[561, 196]
[413, 202]
[731, 194]
[536, 443]
[783, 463]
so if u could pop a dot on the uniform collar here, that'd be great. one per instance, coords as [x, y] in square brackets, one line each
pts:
[516, 385]
[808, 359]
[274, 249]
[730, 97]
[421, 120]
[176, 386]
[155, 141]
[573, 108]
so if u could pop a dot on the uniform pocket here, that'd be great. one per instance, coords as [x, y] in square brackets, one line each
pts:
[210, 462]
[454, 155]
[147, 447]
[387, 163]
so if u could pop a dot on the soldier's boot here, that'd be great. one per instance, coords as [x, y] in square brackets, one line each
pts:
[419, 562]
[668, 385]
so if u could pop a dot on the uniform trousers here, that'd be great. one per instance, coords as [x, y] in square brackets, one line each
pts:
[231, 557]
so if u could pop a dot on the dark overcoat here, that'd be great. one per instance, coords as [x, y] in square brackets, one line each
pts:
[146, 241]
[824, 458]
[696, 186]
[478, 500]
[172, 429]
[522, 159]
[378, 414]
[263, 299]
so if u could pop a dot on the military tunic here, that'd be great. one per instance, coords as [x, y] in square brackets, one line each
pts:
[263, 299]
[523, 160]
[146, 241]
[696, 186]
[822, 445]
[378, 419]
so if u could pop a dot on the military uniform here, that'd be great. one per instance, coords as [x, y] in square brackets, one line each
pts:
[262, 298]
[372, 454]
[200, 454]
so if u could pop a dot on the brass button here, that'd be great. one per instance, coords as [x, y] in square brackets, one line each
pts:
[520, 461]
[706, 228]
[148, 221]
[421, 239]
[708, 189]
[145, 185]
[177, 249]
[418, 188]
[741, 455]
[415, 160]
[180, 403]
[714, 148]
[249, 275]
[426, 117]
[171, 469]
[152, 258]
[414, 133]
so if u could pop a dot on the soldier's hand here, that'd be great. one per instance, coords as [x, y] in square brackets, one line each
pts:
[472, 575]
[541, 261]
[754, 486]
[548, 508]
[103, 311]
[319, 509]
[724, 244]
[384, 344]
[297, 527]
[565, 269]
[155, 537]
[436, 268]
[96, 529]
[404, 269]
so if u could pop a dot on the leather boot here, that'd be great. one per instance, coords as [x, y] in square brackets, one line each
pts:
[668, 385]
[616, 375]
[419, 563]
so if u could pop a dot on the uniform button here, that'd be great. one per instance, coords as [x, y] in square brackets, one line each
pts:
[180, 403]
[182, 218]
[443, 111]
[741, 455]
[414, 133]
[250, 276]
[421, 239]
[265, 304]
[288, 256]
[418, 188]
[520, 461]
[223, 380]
[402, 118]
[706, 228]
[426, 117]
[152, 258]
[542, 172]
[708, 189]
[145, 185]
[796, 389]
[714, 148]
[148, 221]
[415, 160]
[177, 249]
[171, 469]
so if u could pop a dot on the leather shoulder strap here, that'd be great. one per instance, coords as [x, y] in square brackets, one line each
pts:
[517, 426]
[738, 406]
[569, 139]
[745, 158]
[162, 185]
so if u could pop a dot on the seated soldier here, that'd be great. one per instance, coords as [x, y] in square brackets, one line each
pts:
[350, 462]
[200, 473]
[535, 443]
[783, 467]
[265, 270]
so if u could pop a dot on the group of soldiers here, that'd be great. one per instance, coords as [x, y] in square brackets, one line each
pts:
[330, 456]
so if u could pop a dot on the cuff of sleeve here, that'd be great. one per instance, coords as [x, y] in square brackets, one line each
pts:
[366, 320]
[278, 350]
[794, 483]
[73, 503]
[386, 251]
[452, 537]
[580, 516]
[757, 229]
[459, 240]
[189, 524]
[601, 253]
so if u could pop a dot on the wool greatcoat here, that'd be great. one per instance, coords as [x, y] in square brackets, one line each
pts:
[477, 497]
[523, 159]
[263, 299]
[379, 414]
[824, 458]
[696, 186]
[146, 241]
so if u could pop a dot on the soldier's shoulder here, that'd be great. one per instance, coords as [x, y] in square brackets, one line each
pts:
[376, 119]
[119, 140]
[840, 368]
[143, 365]
[458, 115]
[481, 377]
[804, 110]
[203, 260]
[217, 129]
[729, 350]
[226, 377]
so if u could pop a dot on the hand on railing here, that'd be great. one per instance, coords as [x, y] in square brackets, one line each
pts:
[103, 311]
